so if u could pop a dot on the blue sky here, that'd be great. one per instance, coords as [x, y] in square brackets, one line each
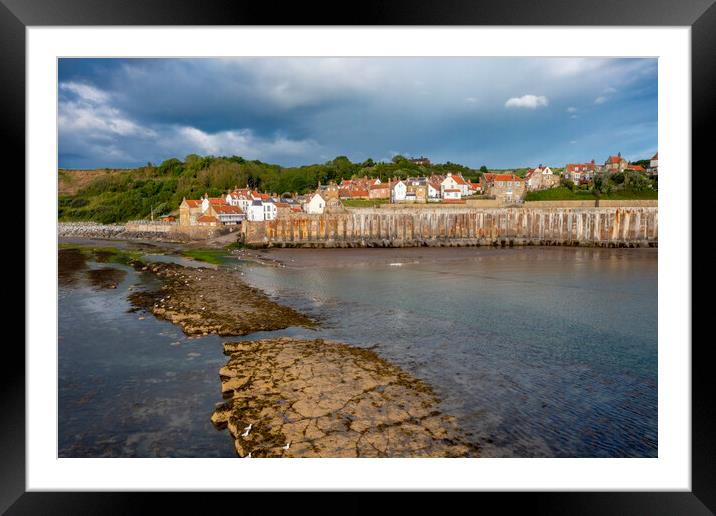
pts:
[499, 112]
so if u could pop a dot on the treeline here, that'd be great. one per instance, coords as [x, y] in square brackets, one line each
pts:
[138, 193]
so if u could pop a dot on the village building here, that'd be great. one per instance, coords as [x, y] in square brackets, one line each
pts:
[453, 181]
[615, 164]
[189, 211]
[452, 194]
[634, 167]
[422, 161]
[255, 211]
[474, 188]
[207, 220]
[541, 178]
[434, 188]
[315, 205]
[226, 213]
[506, 188]
[580, 173]
[379, 191]
[211, 201]
[416, 189]
[398, 191]
[654, 164]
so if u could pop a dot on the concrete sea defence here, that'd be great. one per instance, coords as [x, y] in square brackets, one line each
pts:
[375, 227]
[172, 232]
[89, 229]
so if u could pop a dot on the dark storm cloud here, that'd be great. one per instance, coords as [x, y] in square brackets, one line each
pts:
[503, 112]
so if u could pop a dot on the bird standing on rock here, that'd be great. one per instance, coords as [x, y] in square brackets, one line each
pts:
[247, 430]
[288, 445]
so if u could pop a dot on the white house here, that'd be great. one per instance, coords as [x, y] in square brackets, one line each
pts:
[255, 211]
[654, 164]
[315, 205]
[433, 192]
[453, 181]
[398, 191]
[452, 194]
[269, 210]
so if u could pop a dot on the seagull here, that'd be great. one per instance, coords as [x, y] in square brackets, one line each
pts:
[246, 430]
[288, 445]
[248, 456]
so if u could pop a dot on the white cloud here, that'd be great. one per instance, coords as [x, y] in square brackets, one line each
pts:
[610, 90]
[600, 100]
[574, 117]
[240, 142]
[470, 100]
[85, 92]
[527, 101]
[90, 112]
[571, 109]
[573, 141]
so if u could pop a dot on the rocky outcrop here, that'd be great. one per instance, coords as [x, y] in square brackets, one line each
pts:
[314, 398]
[212, 301]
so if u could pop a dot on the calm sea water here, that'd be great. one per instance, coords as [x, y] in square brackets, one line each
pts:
[539, 352]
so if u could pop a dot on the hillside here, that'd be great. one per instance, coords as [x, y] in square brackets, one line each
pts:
[69, 182]
[110, 195]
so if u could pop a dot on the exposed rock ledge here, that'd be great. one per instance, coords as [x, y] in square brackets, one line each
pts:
[326, 399]
[212, 301]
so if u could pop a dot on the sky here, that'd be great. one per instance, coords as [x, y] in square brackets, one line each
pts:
[497, 112]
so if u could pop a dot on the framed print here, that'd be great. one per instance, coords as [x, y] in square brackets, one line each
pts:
[420, 252]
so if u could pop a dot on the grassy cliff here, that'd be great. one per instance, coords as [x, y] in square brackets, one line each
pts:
[111, 195]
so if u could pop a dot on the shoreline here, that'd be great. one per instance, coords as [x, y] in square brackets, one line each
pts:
[327, 399]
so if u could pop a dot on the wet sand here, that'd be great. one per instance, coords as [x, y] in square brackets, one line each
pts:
[316, 398]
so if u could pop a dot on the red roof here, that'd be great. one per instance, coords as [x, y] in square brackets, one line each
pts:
[226, 208]
[207, 218]
[655, 156]
[217, 200]
[578, 167]
[507, 177]
[453, 190]
[193, 203]
[614, 160]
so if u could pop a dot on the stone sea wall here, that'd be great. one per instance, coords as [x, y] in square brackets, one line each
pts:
[375, 227]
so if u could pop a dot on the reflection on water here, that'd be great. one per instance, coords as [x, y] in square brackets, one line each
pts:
[538, 352]
[131, 387]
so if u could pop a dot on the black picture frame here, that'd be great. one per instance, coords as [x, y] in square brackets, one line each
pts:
[700, 15]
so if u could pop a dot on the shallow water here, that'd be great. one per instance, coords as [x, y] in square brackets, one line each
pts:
[131, 387]
[537, 351]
